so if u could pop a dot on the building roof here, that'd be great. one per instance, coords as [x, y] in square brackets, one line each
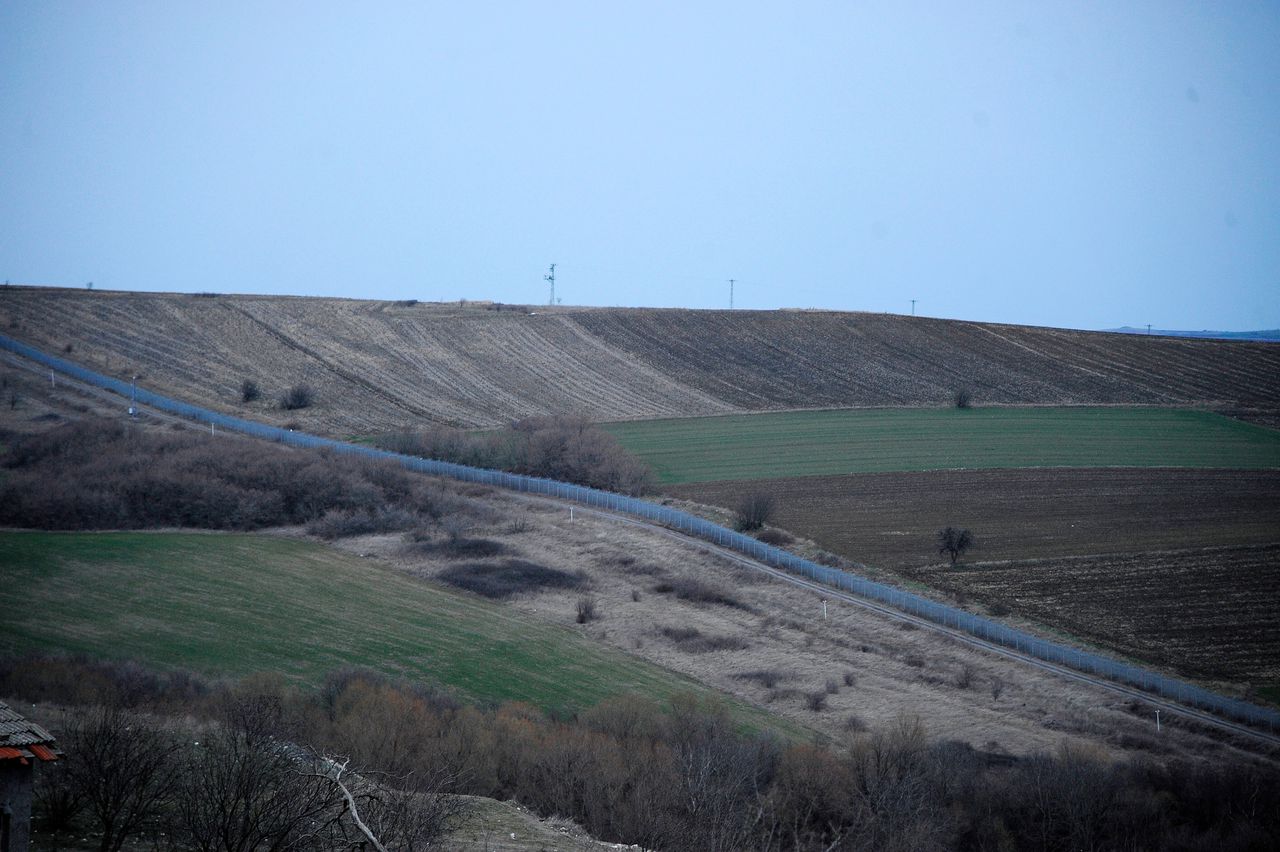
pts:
[22, 739]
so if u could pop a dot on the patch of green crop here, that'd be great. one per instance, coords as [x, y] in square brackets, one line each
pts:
[813, 443]
[236, 604]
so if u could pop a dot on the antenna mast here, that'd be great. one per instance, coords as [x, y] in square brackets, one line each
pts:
[731, 280]
[552, 279]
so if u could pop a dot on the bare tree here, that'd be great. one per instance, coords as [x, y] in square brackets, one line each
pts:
[954, 541]
[123, 768]
[754, 511]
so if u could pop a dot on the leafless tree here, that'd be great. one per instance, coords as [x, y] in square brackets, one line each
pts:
[754, 511]
[122, 767]
[954, 541]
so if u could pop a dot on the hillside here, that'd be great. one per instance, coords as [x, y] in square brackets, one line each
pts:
[382, 365]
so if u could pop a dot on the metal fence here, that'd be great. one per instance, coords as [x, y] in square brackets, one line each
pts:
[938, 613]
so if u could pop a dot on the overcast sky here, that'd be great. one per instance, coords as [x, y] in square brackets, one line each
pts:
[1074, 164]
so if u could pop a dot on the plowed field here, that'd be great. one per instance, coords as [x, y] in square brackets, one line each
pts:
[378, 366]
[1180, 568]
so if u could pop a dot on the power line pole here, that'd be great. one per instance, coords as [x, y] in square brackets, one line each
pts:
[552, 279]
[913, 307]
[731, 280]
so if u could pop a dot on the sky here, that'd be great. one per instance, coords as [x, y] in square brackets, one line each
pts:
[1077, 164]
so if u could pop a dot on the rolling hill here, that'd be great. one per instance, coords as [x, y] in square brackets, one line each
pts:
[383, 365]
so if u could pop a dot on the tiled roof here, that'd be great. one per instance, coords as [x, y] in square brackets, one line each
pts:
[22, 739]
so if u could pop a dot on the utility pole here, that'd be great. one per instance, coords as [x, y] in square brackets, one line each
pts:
[1148, 329]
[552, 279]
[731, 280]
[913, 307]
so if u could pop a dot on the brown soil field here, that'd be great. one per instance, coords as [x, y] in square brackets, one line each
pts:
[870, 668]
[890, 520]
[1203, 613]
[378, 366]
[1176, 568]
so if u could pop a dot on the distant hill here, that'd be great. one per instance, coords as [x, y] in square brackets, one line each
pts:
[1268, 334]
[376, 366]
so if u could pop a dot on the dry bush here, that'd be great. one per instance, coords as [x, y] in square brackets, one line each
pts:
[777, 538]
[691, 640]
[964, 677]
[563, 448]
[768, 678]
[102, 475]
[587, 611]
[832, 686]
[997, 687]
[699, 592]
[753, 511]
[345, 523]
[850, 679]
[816, 700]
[297, 397]
[507, 579]
[249, 391]
[914, 660]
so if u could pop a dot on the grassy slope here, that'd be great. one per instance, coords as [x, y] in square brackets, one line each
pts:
[867, 441]
[234, 604]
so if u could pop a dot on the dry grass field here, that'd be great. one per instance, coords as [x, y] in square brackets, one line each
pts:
[380, 366]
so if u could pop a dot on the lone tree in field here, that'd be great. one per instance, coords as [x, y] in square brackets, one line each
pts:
[954, 542]
[964, 398]
[754, 511]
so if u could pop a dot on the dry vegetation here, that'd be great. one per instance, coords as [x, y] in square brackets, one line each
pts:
[379, 366]
[169, 761]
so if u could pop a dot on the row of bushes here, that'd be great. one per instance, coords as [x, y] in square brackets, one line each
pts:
[569, 449]
[682, 776]
[106, 475]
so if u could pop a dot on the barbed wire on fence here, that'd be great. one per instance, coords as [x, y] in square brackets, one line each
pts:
[908, 602]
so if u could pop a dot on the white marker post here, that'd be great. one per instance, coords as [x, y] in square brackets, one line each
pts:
[1157, 721]
[824, 609]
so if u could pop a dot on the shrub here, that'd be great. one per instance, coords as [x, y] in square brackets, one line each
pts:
[753, 512]
[964, 677]
[345, 523]
[691, 640]
[298, 396]
[249, 390]
[587, 610]
[507, 579]
[768, 678]
[816, 700]
[832, 686]
[850, 679]
[777, 538]
[697, 591]
[963, 398]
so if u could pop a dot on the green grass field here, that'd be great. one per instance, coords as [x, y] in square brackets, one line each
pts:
[808, 443]
[235, 604]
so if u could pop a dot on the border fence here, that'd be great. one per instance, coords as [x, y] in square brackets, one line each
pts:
[947, 616]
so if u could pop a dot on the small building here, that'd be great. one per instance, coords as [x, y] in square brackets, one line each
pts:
[22, 744]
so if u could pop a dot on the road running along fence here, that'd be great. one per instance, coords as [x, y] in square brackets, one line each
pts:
[982, 628]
